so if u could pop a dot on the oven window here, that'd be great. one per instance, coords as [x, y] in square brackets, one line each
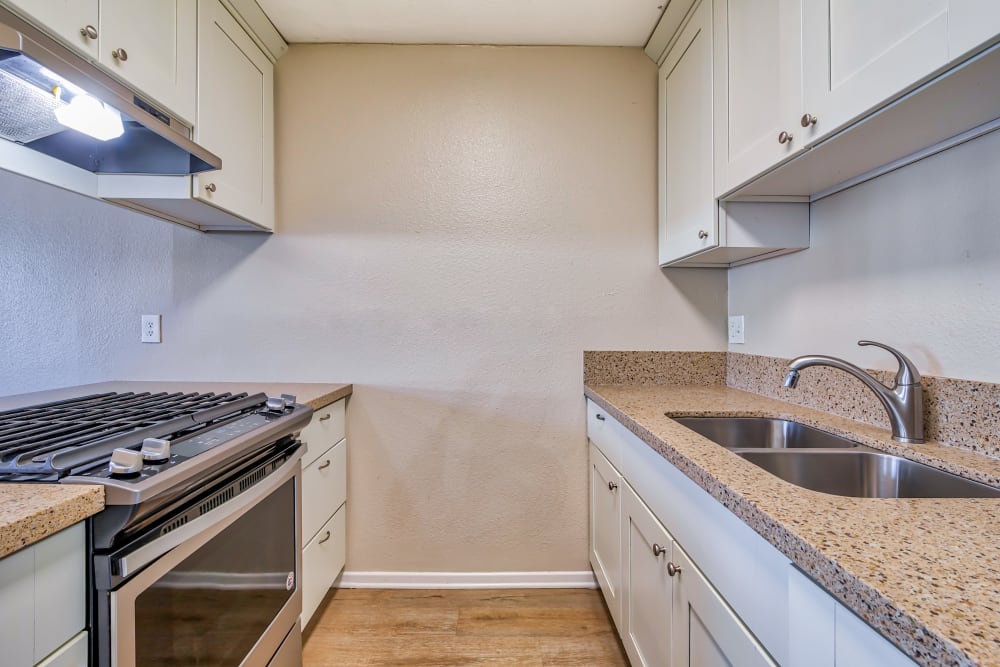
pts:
[213, 607]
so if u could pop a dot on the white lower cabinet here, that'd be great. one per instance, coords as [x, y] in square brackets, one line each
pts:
[648, 589]
[324, 504]
[43, 602]
[698, 587]
[605, 530]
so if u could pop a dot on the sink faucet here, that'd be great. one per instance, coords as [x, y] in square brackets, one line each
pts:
[904, 401]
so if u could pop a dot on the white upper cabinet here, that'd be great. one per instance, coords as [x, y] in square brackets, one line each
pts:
[970, 24]
[74, 22]
[152, 46]
[758, 87]
[235, 117]
[857, 54]
[688, 210]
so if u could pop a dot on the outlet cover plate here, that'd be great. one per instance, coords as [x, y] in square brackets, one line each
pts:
[151, 329]
[736, 329]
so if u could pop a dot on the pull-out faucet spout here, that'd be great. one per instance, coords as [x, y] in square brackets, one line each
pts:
[903, 402]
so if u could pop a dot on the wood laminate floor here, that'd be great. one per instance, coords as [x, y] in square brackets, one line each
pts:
[527, 628]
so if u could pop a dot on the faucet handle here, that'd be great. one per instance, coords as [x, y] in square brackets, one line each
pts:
[907, 373]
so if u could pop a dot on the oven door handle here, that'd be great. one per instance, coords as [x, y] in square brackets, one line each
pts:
[214, 521]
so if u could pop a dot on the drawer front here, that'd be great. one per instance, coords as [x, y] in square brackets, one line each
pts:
[60, 588]
[322, 560]
[324, 488]
[326, 429]
[606, 434]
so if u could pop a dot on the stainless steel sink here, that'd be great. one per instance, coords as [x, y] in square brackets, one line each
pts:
[821, 461]
[762, 432]
[866, 474]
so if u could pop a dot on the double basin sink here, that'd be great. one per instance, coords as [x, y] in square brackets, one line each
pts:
[821, 461]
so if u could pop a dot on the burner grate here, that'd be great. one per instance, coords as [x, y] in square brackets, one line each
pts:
[49, 441]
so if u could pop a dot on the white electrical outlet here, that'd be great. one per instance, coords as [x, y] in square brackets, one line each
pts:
[151, 329]
[736, 329]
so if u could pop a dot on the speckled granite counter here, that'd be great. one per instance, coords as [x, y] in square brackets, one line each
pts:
[313, 394]
[31, 512]
[925, 572]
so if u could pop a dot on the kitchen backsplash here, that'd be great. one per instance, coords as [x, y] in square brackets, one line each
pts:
[959, 413]
[653, 368]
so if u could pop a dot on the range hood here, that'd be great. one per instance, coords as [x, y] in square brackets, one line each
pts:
[54, 101]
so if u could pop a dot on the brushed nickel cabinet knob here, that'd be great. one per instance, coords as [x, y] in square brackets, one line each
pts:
[612, 486]
[673, 569]
[89, 31]
[210, 187]
[784, 137]
[702, 234]
[808, 119]
[659, 551]
[120, 54]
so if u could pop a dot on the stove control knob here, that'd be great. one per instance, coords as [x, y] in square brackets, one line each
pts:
[155, 450]
[125, 462]
[289, 400]
[275, 404]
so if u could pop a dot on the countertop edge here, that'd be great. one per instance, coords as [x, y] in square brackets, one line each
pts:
[867, 601]
[39, 517]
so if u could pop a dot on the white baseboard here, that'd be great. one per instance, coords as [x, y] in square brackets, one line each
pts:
[435, 580]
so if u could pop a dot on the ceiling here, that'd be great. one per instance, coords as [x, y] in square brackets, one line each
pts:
[556, 22]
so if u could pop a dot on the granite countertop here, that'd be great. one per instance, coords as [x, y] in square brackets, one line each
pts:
[924, 571]
[32, 512]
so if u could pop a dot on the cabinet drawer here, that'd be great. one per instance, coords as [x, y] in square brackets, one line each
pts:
[60, 589]
[324, 488]
[606, 433]
[326, 429]
[322, 560]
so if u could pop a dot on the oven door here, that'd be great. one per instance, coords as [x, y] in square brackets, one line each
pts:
[228, 594]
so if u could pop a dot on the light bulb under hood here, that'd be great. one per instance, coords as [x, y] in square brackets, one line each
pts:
[92, 117]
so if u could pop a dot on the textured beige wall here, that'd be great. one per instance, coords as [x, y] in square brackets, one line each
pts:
[910, 259]
[466, 221]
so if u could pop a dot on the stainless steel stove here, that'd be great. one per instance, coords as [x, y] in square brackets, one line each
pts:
[195, 558]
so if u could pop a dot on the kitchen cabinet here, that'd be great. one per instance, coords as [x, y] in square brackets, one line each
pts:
[734, 598]
[43, 601]
[324, 498]
[700, 150]
[73, 22]
[706, 632]
[858, 54]
[647, 587]
[235, 117]
[234, 120]
[605, 530]
[758, 88]
[152, 46]
[689, 215]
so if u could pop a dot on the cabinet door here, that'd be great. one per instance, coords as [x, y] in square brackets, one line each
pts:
[706, 632]
[858, 54]
[72, 21]
[605, 530]
[688, 210]
[647, 589]
[151, 45]
[758, 87]
[970, 24]
[235, 117]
